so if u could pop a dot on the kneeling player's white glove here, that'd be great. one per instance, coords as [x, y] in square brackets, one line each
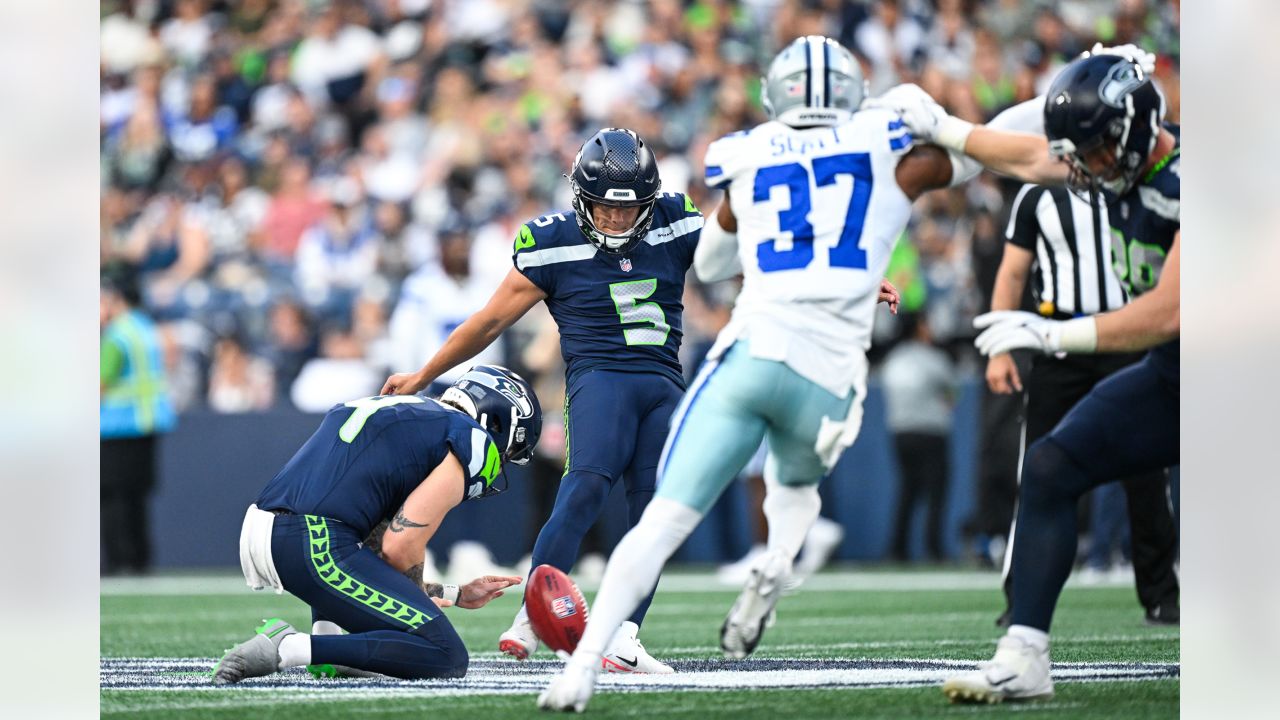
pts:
[923, 116]
[1130, 52]
[1007, 330]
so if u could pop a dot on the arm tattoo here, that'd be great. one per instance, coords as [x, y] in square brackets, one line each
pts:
[435, 590]
[400, 522]
[374, 541]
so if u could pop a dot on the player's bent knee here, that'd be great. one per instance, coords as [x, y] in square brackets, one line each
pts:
[1049, 474]
[450, 658]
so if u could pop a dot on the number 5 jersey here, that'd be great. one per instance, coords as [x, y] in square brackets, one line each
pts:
[614, 311]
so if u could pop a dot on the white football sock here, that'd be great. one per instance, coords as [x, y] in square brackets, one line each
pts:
[1034, 637]
[522, 615]
[633, 571]
[791, 510]
[295, 650]
[325, 627]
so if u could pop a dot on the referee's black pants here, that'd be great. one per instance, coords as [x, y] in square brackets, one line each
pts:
[127, 468]
[1053, 387]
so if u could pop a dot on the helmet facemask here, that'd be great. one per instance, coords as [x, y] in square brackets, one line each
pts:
[583, 207]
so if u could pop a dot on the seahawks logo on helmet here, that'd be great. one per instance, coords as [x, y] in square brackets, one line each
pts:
[1122, 79]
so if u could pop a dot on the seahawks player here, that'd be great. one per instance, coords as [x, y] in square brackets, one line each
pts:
[816, 198]
[1103, 129]
[405, 459]
[611, 272]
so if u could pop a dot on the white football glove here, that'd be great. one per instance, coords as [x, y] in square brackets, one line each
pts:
[923, 116]
[1129, 51]
[918, 109]
[1007, 330]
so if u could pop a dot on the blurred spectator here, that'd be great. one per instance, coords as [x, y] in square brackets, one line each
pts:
[290, 342]
[207, 127]
[134, 409]
[434, 301]
[294, 208]
[188, 34]
[239, 382]
[339, 374]
[892, 43]
[919, 384]
[337, 256]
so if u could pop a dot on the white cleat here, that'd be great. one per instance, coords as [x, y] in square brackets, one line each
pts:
[753, 610]
[571, 690]
[627, 655]
[519, 641]
[256, 657]
[1017, 672]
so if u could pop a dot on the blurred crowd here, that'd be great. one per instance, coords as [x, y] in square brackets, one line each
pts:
[315, 192]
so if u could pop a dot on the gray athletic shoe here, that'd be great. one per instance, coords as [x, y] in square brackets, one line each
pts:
[754, 609]
[256, 657]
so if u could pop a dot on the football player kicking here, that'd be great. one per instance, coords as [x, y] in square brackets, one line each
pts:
[815, 200]
[611, 272]
[1104, 130]
[404, 459]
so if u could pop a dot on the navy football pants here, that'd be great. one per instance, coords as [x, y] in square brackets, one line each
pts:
[1127, 425]
[395, 629]
[616, 425]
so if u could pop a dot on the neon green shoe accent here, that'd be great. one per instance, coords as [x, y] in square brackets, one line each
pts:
[320, 672]
[328, 571]
[266, 624]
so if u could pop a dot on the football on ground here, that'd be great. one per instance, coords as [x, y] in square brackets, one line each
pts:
[557, 610]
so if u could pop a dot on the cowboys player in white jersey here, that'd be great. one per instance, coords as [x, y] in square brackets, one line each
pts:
[816, 198]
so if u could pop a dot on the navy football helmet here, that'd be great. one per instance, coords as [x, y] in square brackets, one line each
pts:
[504, 404]
[1100, 105]
[616, 169]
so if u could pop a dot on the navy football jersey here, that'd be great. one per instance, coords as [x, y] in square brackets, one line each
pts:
[369, 454]
[1143, 224]
[619, 312]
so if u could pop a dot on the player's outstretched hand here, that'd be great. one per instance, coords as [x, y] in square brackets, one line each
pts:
[478, 592]
[402, 384]
[919, 111]
[1002, 375]
[889, 294]
[1007, 330]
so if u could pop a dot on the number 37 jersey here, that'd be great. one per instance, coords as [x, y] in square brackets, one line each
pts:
[614, 311]
[818, 212]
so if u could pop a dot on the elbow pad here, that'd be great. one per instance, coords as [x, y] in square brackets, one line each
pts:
[716, 257]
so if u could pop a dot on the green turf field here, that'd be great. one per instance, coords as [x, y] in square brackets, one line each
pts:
[851, 644]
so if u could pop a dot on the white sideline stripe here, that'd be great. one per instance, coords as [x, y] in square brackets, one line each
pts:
[842, 581]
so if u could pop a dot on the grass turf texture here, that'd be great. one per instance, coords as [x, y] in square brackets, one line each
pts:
[831, 618]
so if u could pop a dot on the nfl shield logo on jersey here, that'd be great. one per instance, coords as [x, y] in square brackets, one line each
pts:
[563, 607]
[625, 264]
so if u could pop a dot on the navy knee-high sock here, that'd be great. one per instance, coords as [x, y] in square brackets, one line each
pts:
[581, 497]
[432, 651]
[1046, 548]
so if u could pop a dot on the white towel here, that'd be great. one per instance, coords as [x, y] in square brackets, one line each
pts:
[255, 550]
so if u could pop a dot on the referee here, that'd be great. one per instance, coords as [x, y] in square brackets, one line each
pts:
[1061, 241]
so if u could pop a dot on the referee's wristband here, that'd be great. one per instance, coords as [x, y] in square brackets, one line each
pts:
[1078, 335]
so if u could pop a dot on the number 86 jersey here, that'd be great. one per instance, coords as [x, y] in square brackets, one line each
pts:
[818, 210]
[614, 311]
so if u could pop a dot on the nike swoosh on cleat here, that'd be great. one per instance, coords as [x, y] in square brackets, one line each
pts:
[632, 663]
[998, 683]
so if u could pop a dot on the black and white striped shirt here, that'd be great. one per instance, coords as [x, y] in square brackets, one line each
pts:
[1073, 266]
